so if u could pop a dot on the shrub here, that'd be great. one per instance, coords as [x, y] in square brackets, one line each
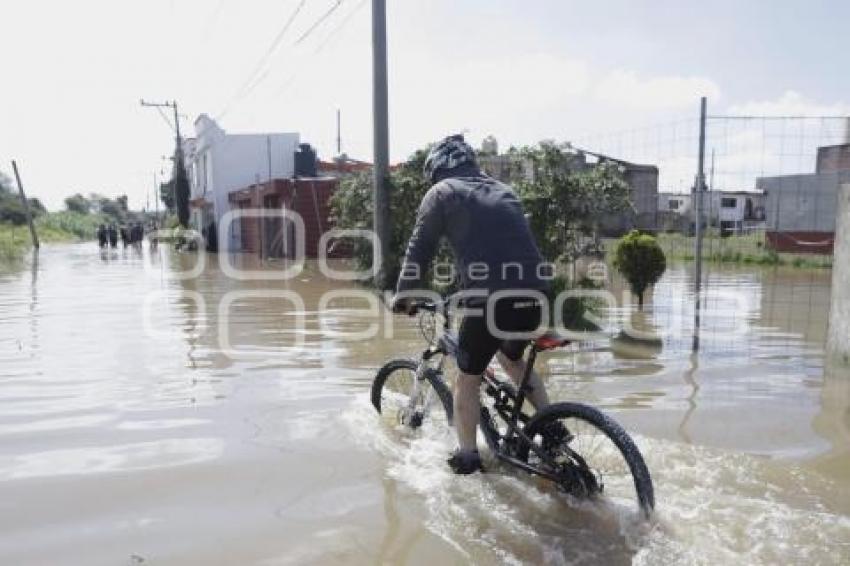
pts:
[641, 261]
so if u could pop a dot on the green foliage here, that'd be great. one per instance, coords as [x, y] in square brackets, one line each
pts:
[352, 208]
[563, 199]
[14, 242]
[78, 203]
[68, 225]
[575, 309]
[166, 196]
[5, 183]
[641, 261]
[746, 249]
[112, 210]
[36, 208]
[557, 199]
[11, 209]
[181, 191]
[171, 222]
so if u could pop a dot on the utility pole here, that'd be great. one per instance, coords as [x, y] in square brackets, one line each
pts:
[260, 220]
[381, 136]
[156, 197]
[179, 165]
[699, 189]
[25, 203]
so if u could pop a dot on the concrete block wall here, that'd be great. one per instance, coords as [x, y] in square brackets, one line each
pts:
[838, 338]
[801, 203]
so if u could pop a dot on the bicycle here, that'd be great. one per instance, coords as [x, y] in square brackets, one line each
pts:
[576, 460]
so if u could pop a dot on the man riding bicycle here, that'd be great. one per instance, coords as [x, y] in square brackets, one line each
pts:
[497, 261]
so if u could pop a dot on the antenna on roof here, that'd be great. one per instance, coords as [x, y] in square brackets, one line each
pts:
[338, 134]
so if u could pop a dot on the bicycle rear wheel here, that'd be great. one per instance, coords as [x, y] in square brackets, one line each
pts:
[600, 458]
[403, 399]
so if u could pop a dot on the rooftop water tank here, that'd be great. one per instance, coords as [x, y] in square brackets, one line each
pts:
[305, 161]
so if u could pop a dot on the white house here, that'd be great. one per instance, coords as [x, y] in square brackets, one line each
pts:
[679, 203]
[735, 212]
[218, 162]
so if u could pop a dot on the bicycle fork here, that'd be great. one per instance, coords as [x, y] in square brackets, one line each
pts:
[414, 414]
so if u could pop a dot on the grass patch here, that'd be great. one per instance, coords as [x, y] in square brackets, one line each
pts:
[68, 226]
[15, 240]
[747, 249]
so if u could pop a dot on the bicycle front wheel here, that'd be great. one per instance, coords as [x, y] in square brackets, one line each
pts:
[405, 399]
[590, 453]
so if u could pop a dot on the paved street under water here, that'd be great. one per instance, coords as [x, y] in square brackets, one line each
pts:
[159, 418]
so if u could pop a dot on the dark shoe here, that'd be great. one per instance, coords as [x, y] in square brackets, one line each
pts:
[555, 435]
[462, 462]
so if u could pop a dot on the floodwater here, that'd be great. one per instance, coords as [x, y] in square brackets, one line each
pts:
[151, 415]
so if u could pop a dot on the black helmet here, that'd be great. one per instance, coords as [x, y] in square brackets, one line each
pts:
[447, 154]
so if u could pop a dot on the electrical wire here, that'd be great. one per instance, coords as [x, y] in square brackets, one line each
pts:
[164, 117]
[253, 80]
[317, 23]
[339, 26]
[291, 79]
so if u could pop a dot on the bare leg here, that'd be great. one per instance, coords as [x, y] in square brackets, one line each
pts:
[516, 369]
[467, 405]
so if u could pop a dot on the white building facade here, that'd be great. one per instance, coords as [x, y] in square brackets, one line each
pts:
[735, 212]
[218, 163]
[678, 203]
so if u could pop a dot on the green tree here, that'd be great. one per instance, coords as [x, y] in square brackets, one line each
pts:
[181, 190]
[78, 203]
[558, 196]
[36, 207]
[641, 261]
[11, 209]
[111, 209]
[351, 208]
[166, 195]
[563, 196]
[5, 183]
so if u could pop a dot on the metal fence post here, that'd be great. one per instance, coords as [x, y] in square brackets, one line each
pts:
[699, 188]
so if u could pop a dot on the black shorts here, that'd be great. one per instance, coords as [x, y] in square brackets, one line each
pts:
[477, 345]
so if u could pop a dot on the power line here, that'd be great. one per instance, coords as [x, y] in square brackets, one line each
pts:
[164, 117]
[317, 23]
[212, 20]
[339, 26]
[291, 79]
[252, 81]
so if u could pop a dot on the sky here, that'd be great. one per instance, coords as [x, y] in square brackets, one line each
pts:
[521, 70]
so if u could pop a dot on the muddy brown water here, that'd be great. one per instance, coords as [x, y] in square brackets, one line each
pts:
[152, 415]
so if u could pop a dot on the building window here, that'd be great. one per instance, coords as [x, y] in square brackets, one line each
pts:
[673, 204]
[728, 202]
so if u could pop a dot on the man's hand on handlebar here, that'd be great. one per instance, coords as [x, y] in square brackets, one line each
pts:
[404, 305]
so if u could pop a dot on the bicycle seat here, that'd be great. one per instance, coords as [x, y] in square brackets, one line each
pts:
[550, 341]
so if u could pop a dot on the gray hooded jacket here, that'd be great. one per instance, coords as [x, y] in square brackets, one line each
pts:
[487, 230]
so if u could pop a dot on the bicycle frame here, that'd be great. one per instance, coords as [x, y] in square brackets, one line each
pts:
[446, 346]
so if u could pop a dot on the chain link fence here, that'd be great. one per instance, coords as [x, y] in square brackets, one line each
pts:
[767, 222]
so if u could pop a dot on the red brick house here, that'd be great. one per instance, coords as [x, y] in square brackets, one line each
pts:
[275, 236]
